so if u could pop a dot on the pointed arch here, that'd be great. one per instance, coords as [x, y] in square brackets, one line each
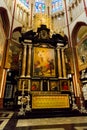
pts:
[5, 20]
[16, 33]
[75, 31]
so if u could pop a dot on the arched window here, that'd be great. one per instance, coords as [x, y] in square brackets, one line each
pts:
[70, 1]
[25, 3]
[40, 6]
[57, 5]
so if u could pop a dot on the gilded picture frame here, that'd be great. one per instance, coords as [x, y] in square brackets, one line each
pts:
[54, 85]
[2, 44]
[69, 60]
[81, 51]
[64, 85]
[13, 54]
[35, 85]
[44, 62]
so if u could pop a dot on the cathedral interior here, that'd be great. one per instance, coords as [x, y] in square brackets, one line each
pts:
[43, 64]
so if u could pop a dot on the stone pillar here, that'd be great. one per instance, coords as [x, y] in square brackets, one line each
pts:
[63, 64]
[31, 14]
[59, 63]
[29, 60]
[24, 17]
[21, 14]
[24, 61]
[17, 14]
[28, 19]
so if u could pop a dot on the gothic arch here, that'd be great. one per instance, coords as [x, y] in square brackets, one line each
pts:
[16, 33]
[5, 20]
[76, 30]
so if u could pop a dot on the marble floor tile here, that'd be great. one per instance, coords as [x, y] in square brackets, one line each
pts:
[81, 128]
[49, 121]
[51, 129]
[10, 122]
[4, 118]
[6, 114]
[60, 123]
[3, 124]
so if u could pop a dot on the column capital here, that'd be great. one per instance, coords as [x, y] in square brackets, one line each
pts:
[60, 45]
[30, 45]
[24, 45]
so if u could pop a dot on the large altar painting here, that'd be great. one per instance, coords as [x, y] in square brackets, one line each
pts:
[14, 51]
[2, 44]
[81, 50]
[44, 62]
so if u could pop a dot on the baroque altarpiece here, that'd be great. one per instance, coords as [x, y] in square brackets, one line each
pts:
[44, 74]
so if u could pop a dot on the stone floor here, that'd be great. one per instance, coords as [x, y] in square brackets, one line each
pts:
[9, 121]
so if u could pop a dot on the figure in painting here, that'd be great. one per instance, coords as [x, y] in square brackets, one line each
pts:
[42, 70]
[65, 85]
[37, 68]
[54, 86]
[50, 66]
[35, 86]
[44, 62]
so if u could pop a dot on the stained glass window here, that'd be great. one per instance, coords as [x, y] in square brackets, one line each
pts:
[56, 5]
[39, 6]
[70, 1]
[25, 3]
